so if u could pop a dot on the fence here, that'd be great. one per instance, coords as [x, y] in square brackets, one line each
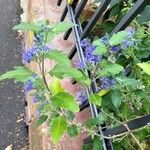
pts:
[80, 33]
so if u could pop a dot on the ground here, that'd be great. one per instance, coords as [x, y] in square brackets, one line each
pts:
[12, 126]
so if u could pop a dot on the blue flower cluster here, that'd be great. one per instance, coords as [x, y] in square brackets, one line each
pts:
[28, 85]
[89, 48]
[107, 83]
[81, 97]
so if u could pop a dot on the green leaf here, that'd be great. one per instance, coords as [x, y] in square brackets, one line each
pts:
[66, 101]
[73, 131]
[62, 26]
[102, 118]
[126, 81]
[100, 49]
[27, 26]
[118, 38]
[116, 97]
[61, 71]
[111, 69]
[97, 144]
[114, 2]
[59, 57]
[49, 36]
[19, 74]
[145, 67]
[95, 99]
[58, 128]
[70, 115]
[41, 120]
[92, 122]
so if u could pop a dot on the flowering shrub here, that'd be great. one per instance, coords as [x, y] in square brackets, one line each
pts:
[114, 63]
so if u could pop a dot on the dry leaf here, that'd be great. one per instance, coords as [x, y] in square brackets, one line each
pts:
[9, 147]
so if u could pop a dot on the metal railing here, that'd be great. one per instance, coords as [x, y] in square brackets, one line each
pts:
[79, 33]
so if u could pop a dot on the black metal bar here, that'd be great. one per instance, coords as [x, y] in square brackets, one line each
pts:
[59, 2]
[81, 57]
[77, 15]
[132, 124]
[64, 14]
[102, 7]
[84, 105]
[127, 19]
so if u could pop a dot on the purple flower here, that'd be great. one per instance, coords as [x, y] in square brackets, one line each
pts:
[80, 65]
[81, 97]
[94, 59]
[37, 113]
[85, 43]
[35, 99]
[127, 43]
[130, 30]
[115, 49]
[28, 85]
[107, 83]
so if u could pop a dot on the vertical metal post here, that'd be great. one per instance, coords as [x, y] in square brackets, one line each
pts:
[59, 2]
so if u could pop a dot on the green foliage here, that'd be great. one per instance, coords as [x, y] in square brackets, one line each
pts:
[145, 67]
[111, 69]
[27, 26]
[70, 115]
[92, 122]
[73, 131]
[41, 120]
[95, 99]
[102, 118]
[59, 57]
[62, 26]
[66, 101]
[58, 127]
[117, 38]
[116, 97]
[20, 73]
[97, 144]
[100, 49]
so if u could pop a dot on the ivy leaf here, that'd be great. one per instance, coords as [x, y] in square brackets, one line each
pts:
[19, 74]
[66, 101]
[59, 57]
[116, 97]
[41, 120]
[58, 128]
[100, 49]
[95, 99]
[145, 67]
[62, 26]
[73, 131]
[118, 38]
[27, 26]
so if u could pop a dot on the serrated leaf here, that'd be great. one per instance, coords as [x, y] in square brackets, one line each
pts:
[92, 122]
[73, 131]
[27, 26]
[116, 98]
[58, 128]
[59, 57]
[19, 74]
[66, 101]
[62, 26]
[55, 86]
[41, 120]
[131, 82]
[100, 49]
[61, 71]
[101, 118]
[70, 115]
[95, 99]
[111, 69]
[117, 38]
[145, 67]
